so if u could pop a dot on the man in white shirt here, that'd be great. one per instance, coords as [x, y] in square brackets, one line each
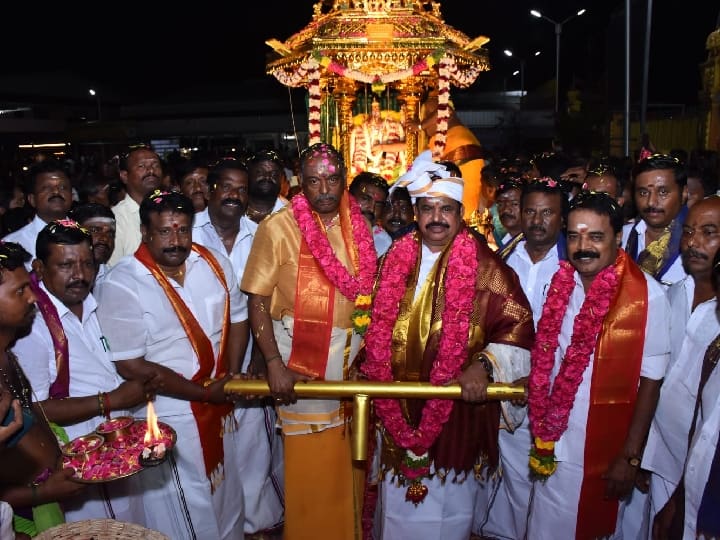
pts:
[600, 353]
[99, 221]
[50, 193]
[535, 259]
[223, 226]
[173, 312]
[653, 240]
[68, 362]
[371, 191]
[508, 206]
[693, 326]
[141, 171]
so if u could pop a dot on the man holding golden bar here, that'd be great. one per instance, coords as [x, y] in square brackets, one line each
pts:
[446, 308]
[309, 277]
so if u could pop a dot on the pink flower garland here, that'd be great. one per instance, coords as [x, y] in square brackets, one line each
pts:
[350, 286]
[549, 410]
[452, 354]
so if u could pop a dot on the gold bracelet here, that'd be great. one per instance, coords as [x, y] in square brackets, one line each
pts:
[101, 403]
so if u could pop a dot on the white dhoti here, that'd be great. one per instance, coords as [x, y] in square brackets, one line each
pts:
[446, 513]
[260, 465]
[502, 507]
[177, 494]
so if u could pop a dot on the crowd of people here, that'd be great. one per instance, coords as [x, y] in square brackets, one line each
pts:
[590, 284]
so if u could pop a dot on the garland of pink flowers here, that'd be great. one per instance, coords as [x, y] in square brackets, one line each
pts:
[356, 288]
[548, 409]
[452, 352]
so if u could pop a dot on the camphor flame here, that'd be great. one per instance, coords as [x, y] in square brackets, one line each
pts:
[153, 432]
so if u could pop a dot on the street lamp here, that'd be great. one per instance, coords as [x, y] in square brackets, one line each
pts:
[521, 71]
[558, 30]
[96, 95]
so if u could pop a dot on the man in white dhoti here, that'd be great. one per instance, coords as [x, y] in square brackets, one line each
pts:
[173, 313]
[446, 308]
[600, 352]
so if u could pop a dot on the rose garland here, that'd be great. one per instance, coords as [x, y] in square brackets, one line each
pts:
[549, 410]
[452, 352]
[357, 288]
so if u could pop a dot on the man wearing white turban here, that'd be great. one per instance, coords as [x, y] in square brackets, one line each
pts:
[446, 308]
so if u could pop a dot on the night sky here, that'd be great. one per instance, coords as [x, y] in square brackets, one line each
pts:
[156, 49]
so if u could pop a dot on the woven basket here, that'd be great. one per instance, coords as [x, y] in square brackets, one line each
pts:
[100, 529]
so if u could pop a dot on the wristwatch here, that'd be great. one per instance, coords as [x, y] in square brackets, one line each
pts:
[633, 461]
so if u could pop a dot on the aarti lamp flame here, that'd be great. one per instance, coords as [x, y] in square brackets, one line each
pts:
[153, 431]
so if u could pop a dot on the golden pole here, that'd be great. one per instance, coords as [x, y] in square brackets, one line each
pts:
[360, 419]
[362, 391]
[374, 389]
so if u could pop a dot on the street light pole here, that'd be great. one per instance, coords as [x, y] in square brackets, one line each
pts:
[96, 95]
[558, 32]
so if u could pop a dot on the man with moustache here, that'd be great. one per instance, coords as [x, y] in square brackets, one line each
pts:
[508, 205]
[192, 177]
[653, 241]
[224, 227]
[266, 173]
[49, 191]
[141, 172]
[68, 363]
[458, 295]
[371, 191]
[601, 348]
[309, 278]
[398, 216]
[535, 259]
[693, 326]
[692, 511]
[99, 221]
[173, 314]
[30, 480]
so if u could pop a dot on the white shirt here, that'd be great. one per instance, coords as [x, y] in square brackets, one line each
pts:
[26, 236]
[702, 451]
[656, 354]
[381, 239]
[91, 367]
[127, 229]
[139, 320]
[534, 277]
[204, 233]
[691, 332]
[674, 274]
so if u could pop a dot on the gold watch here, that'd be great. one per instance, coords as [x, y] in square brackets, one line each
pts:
[633, 461]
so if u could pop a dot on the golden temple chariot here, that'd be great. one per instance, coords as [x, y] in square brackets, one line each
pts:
[401, 47]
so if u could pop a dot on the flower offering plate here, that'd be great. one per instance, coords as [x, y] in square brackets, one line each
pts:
[97, 459]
